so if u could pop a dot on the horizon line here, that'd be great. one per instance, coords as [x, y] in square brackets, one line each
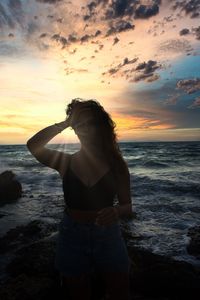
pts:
[129, 141]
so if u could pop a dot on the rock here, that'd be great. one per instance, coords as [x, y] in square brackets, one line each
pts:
[32, 275]
[194, 245]
[25, 234]
[26, 288]
[10, 188]
[157, 275]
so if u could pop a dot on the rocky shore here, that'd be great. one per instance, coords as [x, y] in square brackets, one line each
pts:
[27, 269]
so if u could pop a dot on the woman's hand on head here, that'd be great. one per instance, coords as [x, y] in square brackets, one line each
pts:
[107, 216]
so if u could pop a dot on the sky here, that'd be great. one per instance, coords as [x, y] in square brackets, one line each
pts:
[140, 59]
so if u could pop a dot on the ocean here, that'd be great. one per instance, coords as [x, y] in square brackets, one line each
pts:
[165, 192]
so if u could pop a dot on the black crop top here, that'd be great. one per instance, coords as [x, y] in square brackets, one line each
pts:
[79, 196]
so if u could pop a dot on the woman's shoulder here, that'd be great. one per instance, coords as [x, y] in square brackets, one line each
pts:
[64, 163]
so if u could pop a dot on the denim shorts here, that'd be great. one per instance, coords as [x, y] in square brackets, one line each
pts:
[87, 247]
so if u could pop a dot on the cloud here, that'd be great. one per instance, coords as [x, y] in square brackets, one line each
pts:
[195, 104]
[145, 71]
[74, 70]
[189, 85]
[131, 8]
[119, 8]
[116, 40]
[190, 7]
[196, 31]
[117, 68]
[61, 39]
[148, 103]
[119, 27]
[172, 100]
[144, 11]
[86, 38]
[72, 38]
[184, 31]
[43, 35]
[175, 46]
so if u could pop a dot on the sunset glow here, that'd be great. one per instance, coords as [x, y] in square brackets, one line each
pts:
[143, 68]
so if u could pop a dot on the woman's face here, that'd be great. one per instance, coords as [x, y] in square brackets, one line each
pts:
[86, 126]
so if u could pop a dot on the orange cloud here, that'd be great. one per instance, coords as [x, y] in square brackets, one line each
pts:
[127, 123]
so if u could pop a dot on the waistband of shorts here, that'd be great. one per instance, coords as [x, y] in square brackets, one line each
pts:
[81, 216]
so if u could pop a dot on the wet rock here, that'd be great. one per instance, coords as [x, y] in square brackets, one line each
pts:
[24, 234]
[194, 245]
[157, 275]
[10, 188]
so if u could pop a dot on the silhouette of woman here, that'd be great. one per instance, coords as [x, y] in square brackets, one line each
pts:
[89, 233]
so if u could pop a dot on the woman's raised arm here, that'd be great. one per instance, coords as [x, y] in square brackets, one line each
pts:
[51, 158]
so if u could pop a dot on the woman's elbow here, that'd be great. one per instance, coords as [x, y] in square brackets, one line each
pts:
[31, 147]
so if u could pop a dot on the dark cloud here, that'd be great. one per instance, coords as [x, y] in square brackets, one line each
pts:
[85, 38]
[145, 71]
[43, 35]
[11, 35]
[91, 8]
[62, 40]
[115, 69]
[144, 11]
[122, 8]
[189, 85]
[128, 8]
[191, 7]
[116, 40]
[184, 31]
[98, 32]
[72, 38]
[119, 27]
[196, 31]
[148, 77]
[148, 67]
[60, 20]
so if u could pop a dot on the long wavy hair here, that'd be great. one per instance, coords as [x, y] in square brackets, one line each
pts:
[108, 136]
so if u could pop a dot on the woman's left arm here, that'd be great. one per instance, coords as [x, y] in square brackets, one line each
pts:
[124, 209]
[108, 215]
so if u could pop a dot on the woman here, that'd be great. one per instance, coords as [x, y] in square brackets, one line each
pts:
[89, 232]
